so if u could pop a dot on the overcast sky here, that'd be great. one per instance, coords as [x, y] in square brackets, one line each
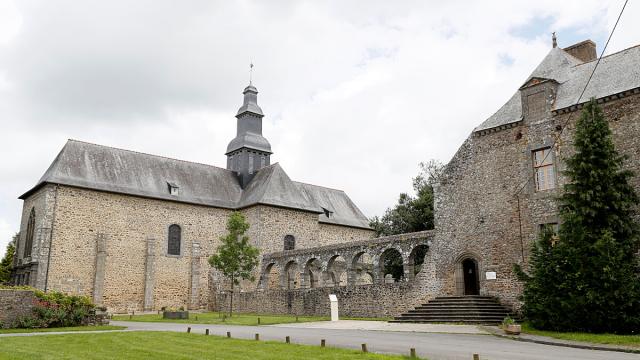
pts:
[356, 93]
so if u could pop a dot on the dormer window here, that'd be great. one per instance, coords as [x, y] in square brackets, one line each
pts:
[328, 213]
[173, 188]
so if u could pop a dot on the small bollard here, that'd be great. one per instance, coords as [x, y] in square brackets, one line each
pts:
[130, 316]
[196, 317]
[412, 352]
[322, 342]
[296, 318]
[287, 340]
[257, 337]
[228, 334]
[188, 330]
[206, 332]
[258, 321]
[476, 357]
[364, 348]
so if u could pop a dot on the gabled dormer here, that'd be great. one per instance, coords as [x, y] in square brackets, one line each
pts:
[537, 96]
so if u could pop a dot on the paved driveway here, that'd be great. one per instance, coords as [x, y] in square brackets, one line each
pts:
[435, 346]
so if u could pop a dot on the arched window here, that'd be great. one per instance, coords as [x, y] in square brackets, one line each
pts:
[289, 242]
[173, 243]
[31, 225]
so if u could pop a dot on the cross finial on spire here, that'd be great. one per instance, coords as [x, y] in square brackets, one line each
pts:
[554, 39]
[250, 72]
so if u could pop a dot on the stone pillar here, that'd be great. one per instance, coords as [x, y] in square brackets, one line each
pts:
[408, 269]
[352, 276]
[149, 273]
[305, 280]
[194, 299]
[39, 276]
[101, 262]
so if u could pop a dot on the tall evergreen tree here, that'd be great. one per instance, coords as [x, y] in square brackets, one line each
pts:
[236, 257]
[587, 279]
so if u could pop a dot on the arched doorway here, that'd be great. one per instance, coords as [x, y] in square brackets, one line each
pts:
[470, 274]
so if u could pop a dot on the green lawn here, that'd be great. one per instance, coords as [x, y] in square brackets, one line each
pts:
[612, 339]
[74, 328]
[236, 319]
[164, 345]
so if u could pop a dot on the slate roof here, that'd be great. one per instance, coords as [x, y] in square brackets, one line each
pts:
[103, 168]
[616, 73]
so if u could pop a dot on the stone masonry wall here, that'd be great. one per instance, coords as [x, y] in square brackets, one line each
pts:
[126, 223]
[113, 247]
[15, 304]
[335, 234]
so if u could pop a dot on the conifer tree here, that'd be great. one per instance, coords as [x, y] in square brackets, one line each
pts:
[7, 261]
[236, 257]
[586, 278]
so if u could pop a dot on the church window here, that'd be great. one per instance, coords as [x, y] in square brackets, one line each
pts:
[175, 237]
[31, 224]
[544, 173]
[289, 242]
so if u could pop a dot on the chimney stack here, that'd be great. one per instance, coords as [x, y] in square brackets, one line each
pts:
[584, 50]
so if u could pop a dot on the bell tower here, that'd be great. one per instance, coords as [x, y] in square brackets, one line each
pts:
[249, 151]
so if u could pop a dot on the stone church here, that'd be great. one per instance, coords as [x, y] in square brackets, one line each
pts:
[134, 231]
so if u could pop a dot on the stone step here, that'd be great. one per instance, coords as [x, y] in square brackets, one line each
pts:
[457, 309]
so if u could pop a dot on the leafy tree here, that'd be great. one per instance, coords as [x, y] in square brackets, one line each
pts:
[7, 261]
[587, 278]
[411, 214]
[236, 257]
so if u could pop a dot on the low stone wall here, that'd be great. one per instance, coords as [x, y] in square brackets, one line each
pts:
[15, 304]
[376, 300]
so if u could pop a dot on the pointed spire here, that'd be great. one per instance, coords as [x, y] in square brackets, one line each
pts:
[554, 39]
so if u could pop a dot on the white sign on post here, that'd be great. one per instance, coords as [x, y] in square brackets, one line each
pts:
[334, 307]
[490, 275]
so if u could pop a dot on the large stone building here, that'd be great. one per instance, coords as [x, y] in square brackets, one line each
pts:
[134, 231]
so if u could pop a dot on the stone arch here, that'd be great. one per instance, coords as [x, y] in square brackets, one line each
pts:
[416, 259]
[313, 273]
[291, 275]
[467, 274]
[271, 277]
[362, 268]
[391, 262]
[336, 273]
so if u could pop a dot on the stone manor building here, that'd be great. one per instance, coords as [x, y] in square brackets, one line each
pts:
[134, 231]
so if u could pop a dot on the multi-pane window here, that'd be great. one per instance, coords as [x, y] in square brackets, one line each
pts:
[173, 242]
[543, 169]
[28, 241]
[289, 242]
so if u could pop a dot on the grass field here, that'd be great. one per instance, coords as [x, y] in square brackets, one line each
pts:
[74, 328]
[164, 345]
[236, 319]
[612, 339]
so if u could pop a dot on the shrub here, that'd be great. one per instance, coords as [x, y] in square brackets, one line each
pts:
[56, 309]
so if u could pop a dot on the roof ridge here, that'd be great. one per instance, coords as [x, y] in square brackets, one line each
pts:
[143, 153]
[320, 186]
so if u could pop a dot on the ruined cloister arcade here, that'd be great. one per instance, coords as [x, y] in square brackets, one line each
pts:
[376, 261]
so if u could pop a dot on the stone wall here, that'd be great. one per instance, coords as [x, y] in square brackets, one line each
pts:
[15, 304]
[113, 247]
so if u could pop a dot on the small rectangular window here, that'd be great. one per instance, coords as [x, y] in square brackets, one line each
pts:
[173, 188]
[544, 174]
[250, 163]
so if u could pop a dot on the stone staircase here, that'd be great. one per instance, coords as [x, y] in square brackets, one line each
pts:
[457, 309]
